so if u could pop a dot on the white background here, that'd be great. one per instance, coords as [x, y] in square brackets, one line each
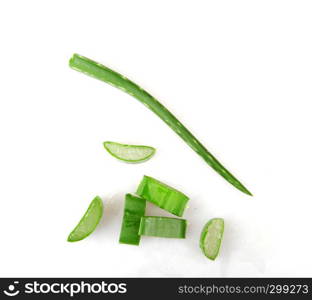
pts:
[236, 73]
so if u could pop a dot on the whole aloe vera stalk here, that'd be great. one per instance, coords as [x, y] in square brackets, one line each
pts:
[98, 71]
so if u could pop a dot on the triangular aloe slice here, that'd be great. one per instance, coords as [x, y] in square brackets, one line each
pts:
[88, 222]
[211, 237]
[129, 153]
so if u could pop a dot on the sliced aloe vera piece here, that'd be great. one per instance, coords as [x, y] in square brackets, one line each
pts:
[129, 153]
[88, 222]
[133, 211]
[211, 237]
[162, 195]
[163, 227]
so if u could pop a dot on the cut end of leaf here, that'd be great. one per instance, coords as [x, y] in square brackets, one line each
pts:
[73, 59]
[211, 238]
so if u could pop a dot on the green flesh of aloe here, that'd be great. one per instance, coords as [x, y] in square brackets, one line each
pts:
[88, 222]
[129, 153]
[211, 237]
[163, 227]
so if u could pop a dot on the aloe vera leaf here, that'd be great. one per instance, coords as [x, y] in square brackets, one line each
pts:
[99, 71]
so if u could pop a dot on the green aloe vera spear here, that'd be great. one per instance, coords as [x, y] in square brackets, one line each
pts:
[88, 222]
[211, 237]
[163, 227]
[98, 71]
[133, 211]
[129, 153]
[162, 195]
